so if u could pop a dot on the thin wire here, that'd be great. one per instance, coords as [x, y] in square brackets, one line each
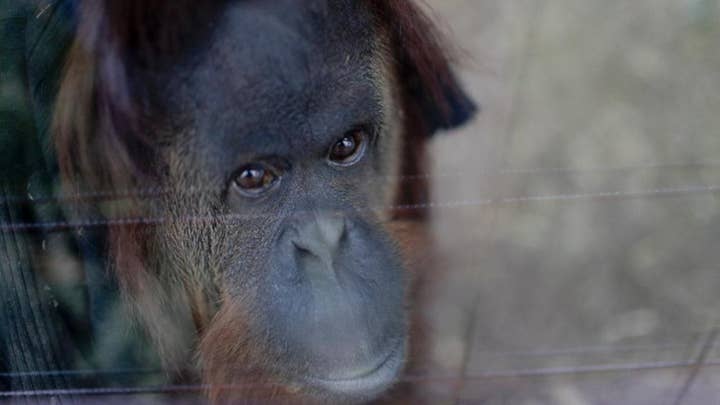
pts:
[570, 370]
[603, 348]
[104, 391]
[504, 144]
[636, 348]
[469, 337]
[83, 372]
[492, 375]
[710, 164]
[698, 364]
[55, 226]
[148, 192]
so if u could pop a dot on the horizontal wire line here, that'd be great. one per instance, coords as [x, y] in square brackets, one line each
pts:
[159, 191]
[79, 372]
[569, 370]
[634, 349]
[589, 350]
[491, 375]
[104, 391]
[543, 352]
[658, 192]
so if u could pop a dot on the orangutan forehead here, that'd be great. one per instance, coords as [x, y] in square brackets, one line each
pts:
[288, 40]
[274, 70]
[289, 45]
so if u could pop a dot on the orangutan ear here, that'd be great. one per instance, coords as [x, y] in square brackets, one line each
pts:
[432, 98]
[430, 104]
[431, 89]
[445, 107]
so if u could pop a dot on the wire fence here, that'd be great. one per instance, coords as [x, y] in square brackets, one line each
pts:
[691, 367]
[155, 192]
[59, 226]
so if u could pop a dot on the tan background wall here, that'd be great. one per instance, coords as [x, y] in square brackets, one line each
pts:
[581, 226]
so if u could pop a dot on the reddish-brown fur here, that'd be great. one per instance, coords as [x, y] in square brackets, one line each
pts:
[97, 140]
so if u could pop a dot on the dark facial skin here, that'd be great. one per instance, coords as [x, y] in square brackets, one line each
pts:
[281, 129]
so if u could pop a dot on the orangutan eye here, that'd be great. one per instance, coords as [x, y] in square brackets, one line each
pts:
[254, 179]
[349, 149]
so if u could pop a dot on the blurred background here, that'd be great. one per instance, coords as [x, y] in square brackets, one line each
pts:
[578, 218]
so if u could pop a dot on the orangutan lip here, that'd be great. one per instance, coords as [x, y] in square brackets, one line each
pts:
[369, 383]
